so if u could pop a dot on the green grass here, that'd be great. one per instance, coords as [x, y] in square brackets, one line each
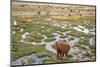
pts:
[69, 56]
[71, 38]
[16, 37]
[84, 41]
[63, 36]
[40, 55]
[76, 33]
[92, 48]
[22, 49]
[48, 34]
[49, 61]
[49, 39]
[33, 37]
[80, 46]
[90, 35]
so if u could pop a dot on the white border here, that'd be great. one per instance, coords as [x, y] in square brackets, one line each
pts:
[5, 33]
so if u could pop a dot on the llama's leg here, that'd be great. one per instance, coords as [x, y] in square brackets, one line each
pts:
[62, 54]
[58, 54]
[66, 53]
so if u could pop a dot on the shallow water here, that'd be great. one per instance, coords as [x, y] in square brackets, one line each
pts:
[21, 30]
[79, 29]
[57, 37]
[91, 41]
[33, 57]
[25, 35]
[15, 22]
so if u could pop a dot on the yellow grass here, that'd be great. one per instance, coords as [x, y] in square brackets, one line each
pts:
[70, 17]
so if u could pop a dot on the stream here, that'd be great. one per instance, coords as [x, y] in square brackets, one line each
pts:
[32, 57]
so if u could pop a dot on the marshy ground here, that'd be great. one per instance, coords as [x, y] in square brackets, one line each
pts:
[39, 37]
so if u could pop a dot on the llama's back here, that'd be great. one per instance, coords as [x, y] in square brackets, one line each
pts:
[63, 45]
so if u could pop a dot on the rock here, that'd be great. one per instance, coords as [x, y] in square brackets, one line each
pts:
[26, 61]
